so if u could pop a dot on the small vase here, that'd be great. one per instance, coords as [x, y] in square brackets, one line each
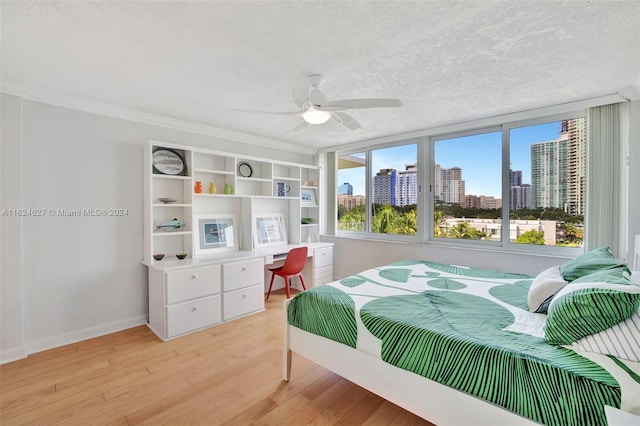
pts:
[228, 189]
[212, 188]
[198, 187]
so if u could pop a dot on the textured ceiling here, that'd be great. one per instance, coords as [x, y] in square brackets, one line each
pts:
[448, 61]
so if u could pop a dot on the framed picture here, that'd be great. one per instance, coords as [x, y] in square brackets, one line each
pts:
[215, 233]
[269, 229]
[308, 197]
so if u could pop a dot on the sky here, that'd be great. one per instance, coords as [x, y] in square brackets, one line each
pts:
[479, 157]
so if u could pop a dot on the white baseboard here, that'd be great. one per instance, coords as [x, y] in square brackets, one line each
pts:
[13, 355]
[87, 333]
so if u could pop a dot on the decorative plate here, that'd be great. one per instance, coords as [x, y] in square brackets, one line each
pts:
[168, 162]
[244, 169]
[167, 200]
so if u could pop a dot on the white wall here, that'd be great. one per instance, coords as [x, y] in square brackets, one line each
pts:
[79, 276]
[11, 302]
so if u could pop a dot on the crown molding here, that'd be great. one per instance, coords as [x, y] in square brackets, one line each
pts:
[38, 94]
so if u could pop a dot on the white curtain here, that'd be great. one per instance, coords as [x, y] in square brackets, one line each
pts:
[604, 171]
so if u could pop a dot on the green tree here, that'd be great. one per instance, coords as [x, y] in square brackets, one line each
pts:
[531, 237]
[352, 220]
[573, 234]
[385, 220]
[465, 231]
[439, 224]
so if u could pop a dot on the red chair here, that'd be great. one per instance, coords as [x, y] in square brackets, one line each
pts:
[293, 265]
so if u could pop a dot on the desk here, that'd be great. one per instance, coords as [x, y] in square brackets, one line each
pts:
[317, 270]
[191, 294]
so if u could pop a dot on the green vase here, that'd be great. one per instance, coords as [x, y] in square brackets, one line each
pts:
[228, 189]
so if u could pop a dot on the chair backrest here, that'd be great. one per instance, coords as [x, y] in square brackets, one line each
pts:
[295, 261]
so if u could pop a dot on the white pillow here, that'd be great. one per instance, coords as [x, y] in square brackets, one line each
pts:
[545, 285]
[621, 340]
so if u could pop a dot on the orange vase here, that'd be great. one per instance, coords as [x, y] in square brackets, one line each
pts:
[198, 187]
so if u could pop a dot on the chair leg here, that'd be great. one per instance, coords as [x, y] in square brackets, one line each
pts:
[302, 282]
[286, 284]
[270, 285]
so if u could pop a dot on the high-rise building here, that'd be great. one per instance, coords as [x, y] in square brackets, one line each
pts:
[520, 197]
[384, 186]
[515, 178]
[351, 201]
[449, 185]
[406, 192]
[575, 131]
[558, 169]
[345, 189]
[549, 173]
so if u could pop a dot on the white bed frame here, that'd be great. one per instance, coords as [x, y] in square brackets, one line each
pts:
[430, 400]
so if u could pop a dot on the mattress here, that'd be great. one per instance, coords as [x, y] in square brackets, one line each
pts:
[469, 329]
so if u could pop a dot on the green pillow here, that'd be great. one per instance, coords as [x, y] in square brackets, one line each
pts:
[592, 261]
[585, 308]
[609, 276]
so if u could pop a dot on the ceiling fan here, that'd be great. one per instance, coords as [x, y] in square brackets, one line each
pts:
[315, 109]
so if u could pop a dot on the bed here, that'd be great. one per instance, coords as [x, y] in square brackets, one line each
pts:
[459, 345]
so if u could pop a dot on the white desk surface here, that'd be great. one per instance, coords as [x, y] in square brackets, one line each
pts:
[230, 256]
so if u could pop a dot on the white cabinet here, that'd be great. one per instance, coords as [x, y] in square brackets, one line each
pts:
[241, 302]
[253, 186]
[183, 300]
[242, 288]
[242, 274]
[322, 265]
[197, 292]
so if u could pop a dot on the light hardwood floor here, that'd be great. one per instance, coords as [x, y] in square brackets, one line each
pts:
[225, 375]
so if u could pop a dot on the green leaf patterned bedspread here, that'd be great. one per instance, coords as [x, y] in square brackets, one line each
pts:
[468, 329]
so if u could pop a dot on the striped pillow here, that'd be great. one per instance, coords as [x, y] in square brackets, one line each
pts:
[581, 309]
[621, 340]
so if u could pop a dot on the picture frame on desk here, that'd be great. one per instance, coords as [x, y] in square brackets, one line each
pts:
[308, 197]
[215, 233]
[269, 229]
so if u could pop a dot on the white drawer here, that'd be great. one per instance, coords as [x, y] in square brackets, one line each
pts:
[242, 274]
[324, 272]
[192, 283]
[323, 257]
[243, 301]
[189, 316]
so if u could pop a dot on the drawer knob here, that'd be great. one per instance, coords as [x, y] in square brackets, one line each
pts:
[194, 309]
[244, 296]
[244, 268]
[194, 276]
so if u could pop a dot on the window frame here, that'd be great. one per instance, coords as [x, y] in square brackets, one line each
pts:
[368, 234]
[426, 184]
[430, 237]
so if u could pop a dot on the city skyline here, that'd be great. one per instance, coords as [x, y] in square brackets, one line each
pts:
[481, 177]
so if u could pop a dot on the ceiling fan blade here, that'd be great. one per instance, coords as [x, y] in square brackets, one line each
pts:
[346, 104]
[297, 129]
[270, 112]
[300, 95]
[316, 97]
[346, 120]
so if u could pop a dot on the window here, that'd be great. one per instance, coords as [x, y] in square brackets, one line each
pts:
[394, 189]
[352, 192]
[547, 183]
[466, 187]
[515, 185]
[390, 204]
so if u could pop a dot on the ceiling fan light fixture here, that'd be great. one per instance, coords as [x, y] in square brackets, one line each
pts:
[316, 116]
